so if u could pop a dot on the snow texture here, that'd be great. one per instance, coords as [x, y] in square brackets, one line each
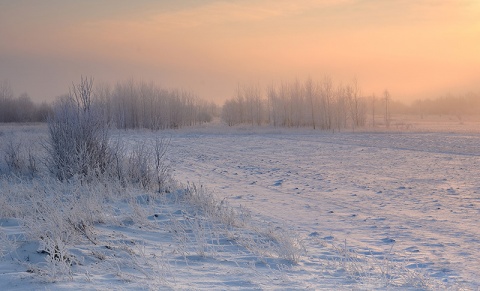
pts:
[366, 211]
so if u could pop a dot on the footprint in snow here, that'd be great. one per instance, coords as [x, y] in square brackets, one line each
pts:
[413, 249]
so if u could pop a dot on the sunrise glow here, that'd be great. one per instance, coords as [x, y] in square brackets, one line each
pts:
[416, 49]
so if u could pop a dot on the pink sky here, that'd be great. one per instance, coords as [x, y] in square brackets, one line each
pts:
[415, 49]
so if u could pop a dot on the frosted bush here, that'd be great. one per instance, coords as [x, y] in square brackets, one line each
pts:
[262, 241]
[78, 140]
[79, 145]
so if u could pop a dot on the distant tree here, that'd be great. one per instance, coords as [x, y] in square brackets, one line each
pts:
[357, 105]
[386, 98]
[42, 112]
[312, 98]
[6, 96]
[230, 113]
[298, 104]
[327, 102]
[24, 108]
[374, 99]
[204, 117]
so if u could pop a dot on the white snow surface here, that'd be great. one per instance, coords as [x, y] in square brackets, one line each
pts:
[401, 207]
[416, 195]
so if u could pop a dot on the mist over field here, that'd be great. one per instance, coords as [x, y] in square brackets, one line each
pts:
[244, 145]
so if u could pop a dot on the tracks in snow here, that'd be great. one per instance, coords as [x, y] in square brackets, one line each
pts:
[420, 190]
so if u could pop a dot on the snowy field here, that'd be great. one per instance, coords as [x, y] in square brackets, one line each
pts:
[312, 210]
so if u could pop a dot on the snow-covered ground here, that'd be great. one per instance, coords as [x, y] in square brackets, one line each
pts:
[413, 197]
[361, 210]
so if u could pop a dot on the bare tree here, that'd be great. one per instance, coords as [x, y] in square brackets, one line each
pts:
[327, 97]
[386, 98]
[298, 104]
[83, 93]
[6, 96]
[374, 99]
[24, 108]
[311, 97]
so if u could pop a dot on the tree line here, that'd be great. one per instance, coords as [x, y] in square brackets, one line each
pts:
[132, 105]
[328, 106]
[127, 105]
[466, 104]
[20, 108]
[321, 105]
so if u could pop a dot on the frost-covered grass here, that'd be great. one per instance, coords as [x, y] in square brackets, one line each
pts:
[247, 209]
[69, 233]
[74, 231]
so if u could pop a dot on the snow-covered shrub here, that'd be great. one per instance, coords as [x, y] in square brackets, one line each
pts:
[78, 135]
[79, 145]
[12, 157]
[19, 159]
[162, 169]
[286, 244]
[139, 169]
[259, 239]
[209, 205]
[144, 165]
[3, 243]
[58, 215]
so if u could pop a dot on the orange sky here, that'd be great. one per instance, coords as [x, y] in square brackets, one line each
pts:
[415, 49]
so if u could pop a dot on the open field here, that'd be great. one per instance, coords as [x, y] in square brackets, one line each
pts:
[417, 194]
[313, 210]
